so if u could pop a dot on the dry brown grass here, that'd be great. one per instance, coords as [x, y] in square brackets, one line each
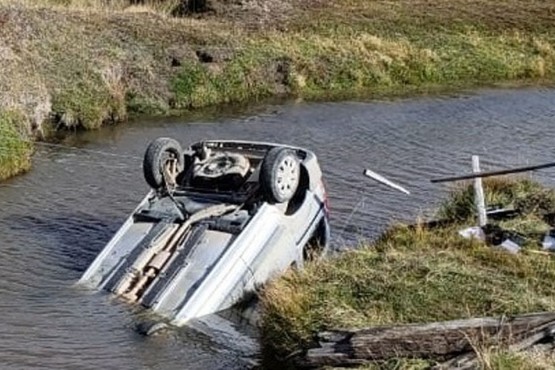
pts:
[108, 6]
[532, 15]
[494, 358]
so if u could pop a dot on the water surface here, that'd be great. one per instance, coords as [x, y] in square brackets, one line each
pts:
[56, 218]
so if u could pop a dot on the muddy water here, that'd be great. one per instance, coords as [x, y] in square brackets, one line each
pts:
[55, 219]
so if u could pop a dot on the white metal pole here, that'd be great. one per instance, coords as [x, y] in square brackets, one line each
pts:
[479, 199]
[379, 178]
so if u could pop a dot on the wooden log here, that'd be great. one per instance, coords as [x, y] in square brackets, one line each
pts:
[439, 341]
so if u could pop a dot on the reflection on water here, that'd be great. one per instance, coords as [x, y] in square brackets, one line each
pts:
[59, 216]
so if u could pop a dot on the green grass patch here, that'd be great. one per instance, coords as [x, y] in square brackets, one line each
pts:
[524, 194]
[252, 74]
[413, 275]
[15, 148]
[83, 105]
[313, 66]
[535, 203]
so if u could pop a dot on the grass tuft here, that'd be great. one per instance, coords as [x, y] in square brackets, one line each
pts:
[15, 148]
[527, 196]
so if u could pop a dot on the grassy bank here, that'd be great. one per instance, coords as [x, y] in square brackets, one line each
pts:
[416, 275]
[15, 149]
[83, 63]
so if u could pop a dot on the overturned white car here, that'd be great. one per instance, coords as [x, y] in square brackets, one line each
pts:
[223, 217]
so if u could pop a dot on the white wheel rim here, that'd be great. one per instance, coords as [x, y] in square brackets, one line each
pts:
[287, 177]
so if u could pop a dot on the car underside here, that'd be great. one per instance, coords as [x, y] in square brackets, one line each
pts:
[221, 219]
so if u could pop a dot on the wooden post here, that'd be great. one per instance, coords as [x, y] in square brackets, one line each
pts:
[479, 199]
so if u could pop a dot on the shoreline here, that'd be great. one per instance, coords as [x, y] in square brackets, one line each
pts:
[420, 274]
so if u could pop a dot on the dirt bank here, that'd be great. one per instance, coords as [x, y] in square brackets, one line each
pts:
[82, 63]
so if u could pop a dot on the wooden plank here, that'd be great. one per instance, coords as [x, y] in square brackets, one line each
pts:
[438, 341]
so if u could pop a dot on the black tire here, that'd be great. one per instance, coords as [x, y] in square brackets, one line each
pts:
[280, 163]
[157, 153]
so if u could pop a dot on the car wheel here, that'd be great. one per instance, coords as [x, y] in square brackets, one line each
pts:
[279, 175]
[159, 154]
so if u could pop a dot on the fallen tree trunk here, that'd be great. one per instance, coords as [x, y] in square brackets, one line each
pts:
[439, 340]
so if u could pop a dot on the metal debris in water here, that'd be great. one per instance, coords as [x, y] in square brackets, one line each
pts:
[381, 179]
